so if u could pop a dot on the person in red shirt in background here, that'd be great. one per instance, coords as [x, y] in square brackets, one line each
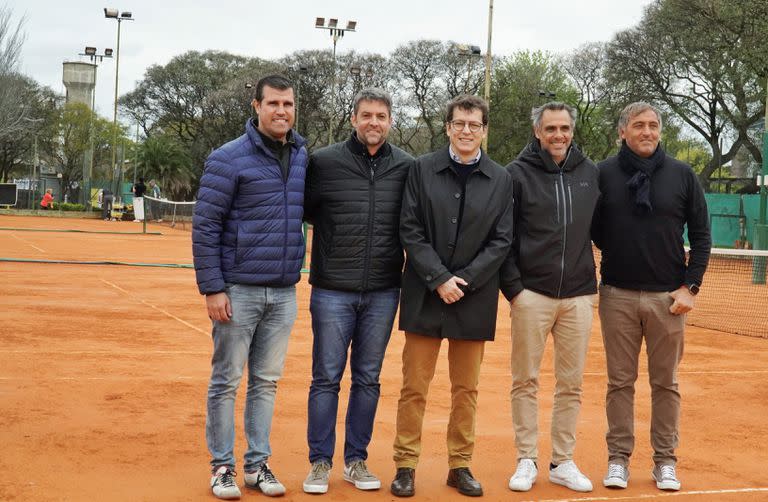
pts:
[47, 202]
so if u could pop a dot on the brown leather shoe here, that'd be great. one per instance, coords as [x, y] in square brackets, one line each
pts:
[461, 479]
[403, 484]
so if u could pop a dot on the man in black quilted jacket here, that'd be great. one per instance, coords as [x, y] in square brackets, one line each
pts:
[353, 195]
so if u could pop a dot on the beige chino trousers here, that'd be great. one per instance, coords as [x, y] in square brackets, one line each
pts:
[534, 316]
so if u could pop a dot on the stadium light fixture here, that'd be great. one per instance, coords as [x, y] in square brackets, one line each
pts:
[468, 51]
[336, 34]
[111, 13]
[95, 58]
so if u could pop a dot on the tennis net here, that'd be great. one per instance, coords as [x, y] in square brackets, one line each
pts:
[734, 295]
[170, 213]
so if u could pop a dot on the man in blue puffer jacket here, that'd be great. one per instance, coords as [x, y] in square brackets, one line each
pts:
[248, 249]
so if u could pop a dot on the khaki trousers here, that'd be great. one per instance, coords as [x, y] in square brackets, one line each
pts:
[569, 320]
[628, 316]
[419, 360]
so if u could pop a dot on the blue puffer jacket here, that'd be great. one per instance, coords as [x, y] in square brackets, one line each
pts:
[247, 223]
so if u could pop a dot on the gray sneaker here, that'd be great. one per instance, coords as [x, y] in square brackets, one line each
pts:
[666, 477]
[617, 476]
[263, 479]
[358, 474]
[318, 477]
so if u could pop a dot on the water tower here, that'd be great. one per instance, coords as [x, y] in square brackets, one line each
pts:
[80, 81]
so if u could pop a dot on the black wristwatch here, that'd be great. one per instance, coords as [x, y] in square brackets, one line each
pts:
[693, 288]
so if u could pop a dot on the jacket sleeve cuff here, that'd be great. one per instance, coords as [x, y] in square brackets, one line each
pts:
[512, 290]
[434, 281]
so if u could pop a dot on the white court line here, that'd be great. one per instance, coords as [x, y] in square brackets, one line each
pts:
[660, 495]
[27, 243]
[109, 352]
[107, 378]
[640, 374]
[182, 321]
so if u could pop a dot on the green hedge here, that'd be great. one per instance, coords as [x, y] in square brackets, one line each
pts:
[68, 206]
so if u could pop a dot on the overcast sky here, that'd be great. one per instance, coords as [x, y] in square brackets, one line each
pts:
[58, 30]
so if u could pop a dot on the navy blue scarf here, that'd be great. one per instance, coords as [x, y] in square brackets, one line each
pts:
[641, 169]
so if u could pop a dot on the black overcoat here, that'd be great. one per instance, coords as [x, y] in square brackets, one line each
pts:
[438, 245]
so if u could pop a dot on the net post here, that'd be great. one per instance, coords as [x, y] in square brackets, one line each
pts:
[759, 262]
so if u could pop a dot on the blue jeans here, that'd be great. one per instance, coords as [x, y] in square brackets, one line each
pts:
[257, 333]
[341, 318]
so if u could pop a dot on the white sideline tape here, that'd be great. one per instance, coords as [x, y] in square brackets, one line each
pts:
[109, 378]
[182, 321]
[27, 243]
[661, 495]
[110, 352]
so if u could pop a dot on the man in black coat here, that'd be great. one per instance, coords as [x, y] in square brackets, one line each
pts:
[456, 228]
[353, 195]
[647, 285]
[549, 280]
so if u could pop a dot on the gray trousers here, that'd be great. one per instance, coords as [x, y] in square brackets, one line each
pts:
[628, 316]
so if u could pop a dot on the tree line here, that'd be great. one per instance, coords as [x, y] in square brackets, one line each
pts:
[703, 62]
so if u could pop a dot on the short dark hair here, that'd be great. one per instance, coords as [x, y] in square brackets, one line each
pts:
[372, 94]
[468, 103]
[274, 81]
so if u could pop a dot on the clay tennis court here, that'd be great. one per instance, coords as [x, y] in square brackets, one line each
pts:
[104, 369]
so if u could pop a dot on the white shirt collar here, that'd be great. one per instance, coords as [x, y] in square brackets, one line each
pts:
[458, 160]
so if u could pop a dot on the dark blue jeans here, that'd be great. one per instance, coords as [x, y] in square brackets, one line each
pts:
[341, 319]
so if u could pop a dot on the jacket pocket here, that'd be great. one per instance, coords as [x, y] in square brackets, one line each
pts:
[238, 252]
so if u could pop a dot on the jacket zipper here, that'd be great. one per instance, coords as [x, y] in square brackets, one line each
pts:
[285, 212]
[371, 217]
[565, 233]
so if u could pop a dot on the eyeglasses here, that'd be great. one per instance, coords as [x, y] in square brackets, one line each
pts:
[459, 125]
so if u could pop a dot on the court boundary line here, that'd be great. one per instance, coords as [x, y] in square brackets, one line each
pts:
[165, 312]
[27, 243]
[657, 495]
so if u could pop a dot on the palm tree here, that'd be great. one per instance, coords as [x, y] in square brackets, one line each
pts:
[163, 159]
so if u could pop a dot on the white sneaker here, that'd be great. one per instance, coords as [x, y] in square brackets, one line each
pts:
[358, 474]
[263, 479]
[568, 475]
[524, 477]
[223, 484]
[318, 478]
[617, 476]
[666, 477]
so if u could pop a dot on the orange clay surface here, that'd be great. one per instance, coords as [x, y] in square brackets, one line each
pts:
[104, 370]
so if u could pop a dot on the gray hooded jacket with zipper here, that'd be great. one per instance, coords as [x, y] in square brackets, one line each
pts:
[552, 252]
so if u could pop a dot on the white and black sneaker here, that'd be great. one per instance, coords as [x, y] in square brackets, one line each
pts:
[263, 479]
[223, 483]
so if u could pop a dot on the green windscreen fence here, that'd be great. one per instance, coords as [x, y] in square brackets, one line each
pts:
[733, 218]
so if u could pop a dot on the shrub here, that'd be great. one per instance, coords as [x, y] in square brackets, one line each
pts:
[68, 206]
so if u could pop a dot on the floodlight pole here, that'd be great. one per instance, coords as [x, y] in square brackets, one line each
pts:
[488, 60]
[119, 17]
[764, 184]
[336, 34]
[87, 175]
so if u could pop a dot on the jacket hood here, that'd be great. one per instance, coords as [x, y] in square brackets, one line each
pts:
[534, 155]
